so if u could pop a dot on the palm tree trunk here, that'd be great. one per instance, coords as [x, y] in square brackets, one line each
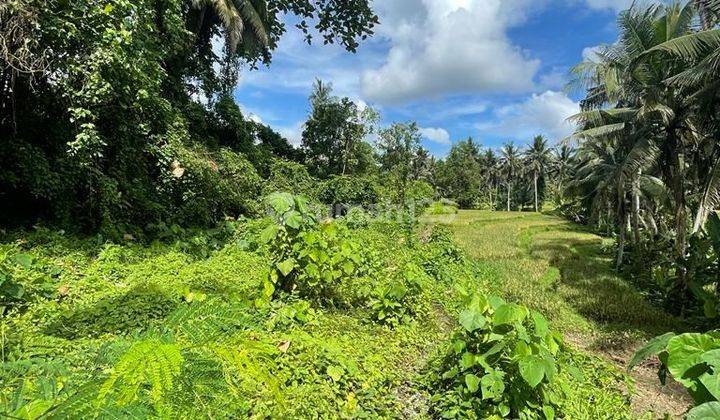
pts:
[674, 173]
[636, 209]
[622, 215]
[535, 179]
[508, 196]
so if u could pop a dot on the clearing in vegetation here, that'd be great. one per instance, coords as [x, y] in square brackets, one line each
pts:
[183, 328]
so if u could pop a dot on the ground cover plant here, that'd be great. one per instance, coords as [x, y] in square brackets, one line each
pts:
[165, 253]
[161, 329]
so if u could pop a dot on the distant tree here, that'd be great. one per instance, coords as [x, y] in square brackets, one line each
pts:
[537, 159]
[333, 138]
[461, 175]
[510, 167]
[399, 145]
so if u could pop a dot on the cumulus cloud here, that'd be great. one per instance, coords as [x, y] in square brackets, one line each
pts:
[436, 135]
[450, 46]
[544, 113]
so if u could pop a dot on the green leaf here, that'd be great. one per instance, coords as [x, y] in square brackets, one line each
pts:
[280, 202]
[467, 361]
[492, 385]
[472, 382]
[549, 412]
[472, 319]
[653, 347]
[541, 324]
[509, 313]
[24, 260]
[532, 369]
[293, 219]
[269, 233]
[707, 411]
[335, 372]
[286, 266]
[685, 351]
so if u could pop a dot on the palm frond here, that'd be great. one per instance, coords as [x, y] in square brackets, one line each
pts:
[710, 199]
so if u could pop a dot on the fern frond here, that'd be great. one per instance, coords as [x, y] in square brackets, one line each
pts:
[146, 362]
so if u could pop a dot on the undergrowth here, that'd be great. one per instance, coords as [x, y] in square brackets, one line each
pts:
[184, 327]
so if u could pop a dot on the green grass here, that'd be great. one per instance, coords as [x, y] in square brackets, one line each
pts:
[560, 269]
[294, 358]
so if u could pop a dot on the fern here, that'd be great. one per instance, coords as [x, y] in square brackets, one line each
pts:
[206, 322]
[149, 361]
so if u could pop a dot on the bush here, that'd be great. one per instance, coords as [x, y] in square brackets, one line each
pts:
[357, 218]
[349, 190]
[501, 364]
[307, 257]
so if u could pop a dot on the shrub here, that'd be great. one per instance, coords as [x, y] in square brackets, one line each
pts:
[501, 364]
[392, 301]
[307, 257]
[357, 218]
[349, 190]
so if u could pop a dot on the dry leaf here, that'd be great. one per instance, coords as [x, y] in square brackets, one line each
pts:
[284, 346]
[64, 290]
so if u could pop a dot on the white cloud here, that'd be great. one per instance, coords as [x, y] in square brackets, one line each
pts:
[591, 53]
[292, 133]
[544, 113]
[449, 46]
[436, 135]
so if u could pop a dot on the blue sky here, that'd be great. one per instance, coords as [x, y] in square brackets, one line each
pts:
[493, 70]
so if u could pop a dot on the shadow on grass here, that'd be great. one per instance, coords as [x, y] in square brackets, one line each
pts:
[135, 310]
[590, 285]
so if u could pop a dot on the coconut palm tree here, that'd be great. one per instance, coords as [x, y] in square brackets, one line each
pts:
[561, 167]
[242, 20]
[510, 167]
[537, 159]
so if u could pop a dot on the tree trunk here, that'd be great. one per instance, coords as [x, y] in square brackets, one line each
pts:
[636, 209]
[535, 179]
[674, 173]
[622, 214]
[508, 197]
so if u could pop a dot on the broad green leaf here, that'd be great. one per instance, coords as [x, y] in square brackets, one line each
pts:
[472, 382]
[293, 219]
[541, 325]
[472, 319]
[24, 260]
[467, 361]
[707, 411]
[685, 351]
[549, 412]
[653, 347]
[492, 385]
[532, 369]
[286, 266]
[269, 233]
[509, 313]
[495, 301]
[711, 383]
[280, 202]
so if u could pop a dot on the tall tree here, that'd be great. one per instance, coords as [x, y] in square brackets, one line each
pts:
[399, 145]
[537, 158]
[333, 137]
[510, 167]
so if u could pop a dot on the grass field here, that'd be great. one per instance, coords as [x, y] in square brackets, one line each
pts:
[565, 272]
[99, 305]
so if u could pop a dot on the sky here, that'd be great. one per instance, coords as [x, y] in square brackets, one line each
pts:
[493, 70]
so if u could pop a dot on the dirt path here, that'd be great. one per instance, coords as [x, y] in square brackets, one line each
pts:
[566, 272]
